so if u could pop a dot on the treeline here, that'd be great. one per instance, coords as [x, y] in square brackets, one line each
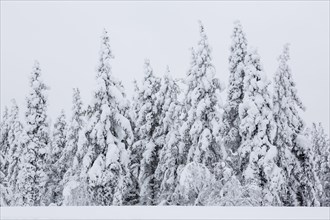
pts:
[169, 145]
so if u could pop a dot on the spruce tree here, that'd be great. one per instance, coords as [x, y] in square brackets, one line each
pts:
[56, 169]
[144, 152]
[238, 50]
[33, 173]
[71, 146]
[257, 152]
[17, 140]
[166, 137]
[109, 134]
[135, 153]
[321, 149]
[201, 128]
[200, 144]
[4, 142]
[292, 157]
[4, 148]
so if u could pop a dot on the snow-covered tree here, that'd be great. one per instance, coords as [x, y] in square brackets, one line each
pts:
[135, 152]
[199, 141]
[4, 148]
[309, 184]
[165, 97]
[238, 50]
[74, 128]
[4, 142]
[257, 129]
[144, 152]
[321, 149]
[167, 138]
[201, 128]
[291, 156]
[16, 139]
[32, 176]
[58, 137]
[108, 134]
[56, 170]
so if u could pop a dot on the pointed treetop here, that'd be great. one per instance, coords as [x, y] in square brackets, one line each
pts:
[105, 33]
[36, 64]
[35, 81]
[238, 50]
[201, 26]
[76, 91]
[36, 69]
[285, 56]
[167, 69]
[167, 72]
[238, 28]
[167, 75]
[284, 71]
[105, 51]
[202, 31]
[13, 102]
[147, 68]
[237, 23]
[14, 107]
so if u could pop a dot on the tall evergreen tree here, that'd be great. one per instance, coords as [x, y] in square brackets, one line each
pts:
[291, 156]
[4, 148]
[4, 142]
[56, 170]
[32, 175]
[321, 149]
[238, 51]
[109, 134]
[201, 128]
[144, 152]
[17, 140]
[71, 146]
[135, 152]
[257, 128]
[199, 144]
[166, 138]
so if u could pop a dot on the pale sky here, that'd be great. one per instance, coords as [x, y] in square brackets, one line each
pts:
[65, 38]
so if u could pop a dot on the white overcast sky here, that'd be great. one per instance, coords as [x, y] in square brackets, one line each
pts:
[65, 38]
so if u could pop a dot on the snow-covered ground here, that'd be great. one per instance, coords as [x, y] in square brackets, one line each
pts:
[139, 212]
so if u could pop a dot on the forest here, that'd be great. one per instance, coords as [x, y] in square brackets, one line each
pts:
[174, 142]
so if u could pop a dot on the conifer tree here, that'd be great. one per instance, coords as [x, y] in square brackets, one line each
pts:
[4, 148]
[292, 157]
[109, 134]
[144, 152]
[56, 170]
[309, 183]
[33, 173]
[166, 138]
[135, 152]
[199, 144]
[4, 142]
[257, 128]
[17, 140]
[321, 149]
[170, 164]
[74, 128]
[201, 128]
[238, 50]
